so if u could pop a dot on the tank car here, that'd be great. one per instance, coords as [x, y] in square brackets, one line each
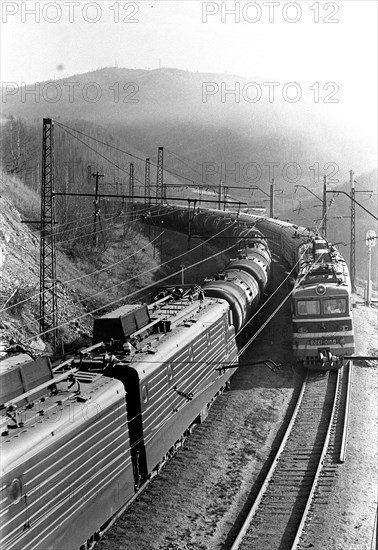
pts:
[321, 301]
[245, 278]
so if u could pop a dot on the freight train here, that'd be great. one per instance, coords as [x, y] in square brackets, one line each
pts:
[321, 300]
[79, 439]
[323, 332]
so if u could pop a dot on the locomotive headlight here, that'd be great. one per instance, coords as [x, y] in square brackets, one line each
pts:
[342, 327]
[302, 329]
[320, 290]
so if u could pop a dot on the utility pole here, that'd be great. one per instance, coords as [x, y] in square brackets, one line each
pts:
[131, 188]
[48, 310]
[131, 182]
[147, 182]
[66, 181]
[96, 214]
[324, 217]
[370, 242]
[160, 178]
[352, 265]
[272, 199]
[220, 194]
[352, 196]
[89, 174]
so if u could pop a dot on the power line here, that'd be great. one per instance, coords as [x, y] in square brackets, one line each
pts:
[67, 128]
[123, 282]
[153, 268]
[37, 295]
[128, 295]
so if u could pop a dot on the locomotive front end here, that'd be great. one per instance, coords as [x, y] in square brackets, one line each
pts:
[322, 326]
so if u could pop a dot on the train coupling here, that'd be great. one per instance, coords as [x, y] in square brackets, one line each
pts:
[329, 361]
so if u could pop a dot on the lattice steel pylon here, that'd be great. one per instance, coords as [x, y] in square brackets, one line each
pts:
[48, 310]
[160, 194]
[147, 182]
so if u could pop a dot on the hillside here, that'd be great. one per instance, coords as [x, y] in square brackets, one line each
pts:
[192, 114]
[78, 293]
[124, 267]
[205, 140]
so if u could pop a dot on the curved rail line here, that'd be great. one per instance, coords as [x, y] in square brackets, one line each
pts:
[277, 517]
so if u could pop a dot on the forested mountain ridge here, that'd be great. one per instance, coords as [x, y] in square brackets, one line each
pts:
[208, 136]
[215, 118]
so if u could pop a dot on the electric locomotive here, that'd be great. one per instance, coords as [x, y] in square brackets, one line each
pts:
[77, 441]
[321, 301]
[322, 311]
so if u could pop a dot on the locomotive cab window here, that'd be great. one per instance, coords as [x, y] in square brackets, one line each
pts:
[334, 305]
[308, 307]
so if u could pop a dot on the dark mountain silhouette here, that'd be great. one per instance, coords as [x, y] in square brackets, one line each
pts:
[170, 107]
[216, 136]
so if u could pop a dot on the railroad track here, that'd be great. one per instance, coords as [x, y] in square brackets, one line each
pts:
[336, 454]
[277, 519]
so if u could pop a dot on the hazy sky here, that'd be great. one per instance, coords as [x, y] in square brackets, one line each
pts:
[304, 42]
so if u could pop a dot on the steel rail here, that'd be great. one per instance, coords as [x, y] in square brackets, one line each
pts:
[320, 465]
[252, 512]
[283, 445]
[346, 413]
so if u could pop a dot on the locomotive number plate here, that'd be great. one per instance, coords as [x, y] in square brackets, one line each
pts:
[323, 342]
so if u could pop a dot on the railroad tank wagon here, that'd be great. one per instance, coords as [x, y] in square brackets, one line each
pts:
[240, 290]
[66, 460]
[255, 267]
[244, 280]
[284, 238]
